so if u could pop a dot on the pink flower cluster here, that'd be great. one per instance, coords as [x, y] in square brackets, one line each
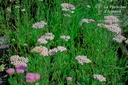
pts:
[87, 21]
[69, 78]
[19, 69]
[55, 50]
[31, 77]
[67, 7]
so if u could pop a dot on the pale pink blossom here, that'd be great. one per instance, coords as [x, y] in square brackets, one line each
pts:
[38, 25]
[66, 38]
[82, 59]
[20, 70]
[69, 78]
[31, 77]
[10, 71]
[99, 77]
[61, 48]
[113, 28]
[119, 38]
[86, 20]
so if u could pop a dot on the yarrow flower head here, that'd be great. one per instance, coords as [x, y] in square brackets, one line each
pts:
[61, 48]
[119, 38]
[86, 20]
[20, 70]
[31, 77]
[66, 38]
[69, 78]
[10, 71]
[55, 50]
[16, 59]
[82, 59]
[99, 77]
[113, 28]
[43, 51]
[43, 39]
[111, 19]
[40, 24]
[68, 7]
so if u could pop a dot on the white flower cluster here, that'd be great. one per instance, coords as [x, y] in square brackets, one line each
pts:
[86, 20]
[55, 50]
[111, 19]
[68, 7]
[43, 51]
[82, 59]
[43, 39]
[111, 23]
[66, 38]
[119, 38]
[101, 78]
[39, 25]
[16, 59]
[113, 28]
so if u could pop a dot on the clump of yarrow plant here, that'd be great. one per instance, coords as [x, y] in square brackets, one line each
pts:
[16, 59]
[57, 49]
[99, 77]
[82, 59]
[43, 51]
[38, 25]
[64, 37]
[84, 20]
[68, 7]
[44, 39]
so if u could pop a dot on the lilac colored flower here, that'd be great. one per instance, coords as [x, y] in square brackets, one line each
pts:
[67, 7]
[91, 20]
[31, 77]
[99, 77]
[39, 25]
[19, 66]
[10, 71]
[19, 70]
[69, 78]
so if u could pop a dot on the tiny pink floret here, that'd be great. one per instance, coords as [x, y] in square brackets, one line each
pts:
[69, 78]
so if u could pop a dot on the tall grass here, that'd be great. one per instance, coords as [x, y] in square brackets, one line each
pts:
[89, 40]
